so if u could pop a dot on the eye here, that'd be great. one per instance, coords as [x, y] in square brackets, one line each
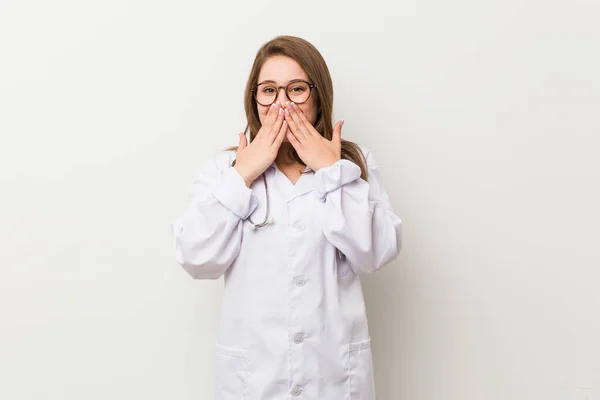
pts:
[268, 89]
[297, 89]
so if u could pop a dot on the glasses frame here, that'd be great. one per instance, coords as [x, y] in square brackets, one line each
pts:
[311, 86]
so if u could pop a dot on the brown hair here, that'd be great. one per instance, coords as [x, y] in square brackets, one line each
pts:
[312, 62]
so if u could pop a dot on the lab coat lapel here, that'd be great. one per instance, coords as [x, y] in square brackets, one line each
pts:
[303, 185]
[288, 190]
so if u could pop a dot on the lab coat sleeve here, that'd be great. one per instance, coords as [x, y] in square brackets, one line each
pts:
[207, 236]
[358, 218]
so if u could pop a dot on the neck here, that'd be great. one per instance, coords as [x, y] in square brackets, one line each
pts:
[283, 157]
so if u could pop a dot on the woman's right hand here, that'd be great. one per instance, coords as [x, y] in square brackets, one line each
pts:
[254, 158]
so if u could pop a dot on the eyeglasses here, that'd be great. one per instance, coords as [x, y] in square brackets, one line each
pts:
[297, 91]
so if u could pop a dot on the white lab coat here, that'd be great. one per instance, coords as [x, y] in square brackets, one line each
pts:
[293, 322]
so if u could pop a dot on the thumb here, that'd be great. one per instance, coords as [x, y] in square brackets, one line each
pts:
[337, 132]
[243, 141]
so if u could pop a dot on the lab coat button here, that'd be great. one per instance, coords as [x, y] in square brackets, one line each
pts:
[298, 338]
[296, 391]
[300, 281]
[300, 226]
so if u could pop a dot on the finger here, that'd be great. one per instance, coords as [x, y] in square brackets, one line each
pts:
[243, 142]
[293, 140]
[276, 126]
[302, 121]
[337, 133]
[282, 134]
[270, 118]
[293, 126]
[272, 114]
[293, 115]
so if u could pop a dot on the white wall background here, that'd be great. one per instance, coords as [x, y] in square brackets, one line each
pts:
[484, 116]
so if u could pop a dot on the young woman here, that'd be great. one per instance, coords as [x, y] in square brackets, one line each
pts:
[291, 218]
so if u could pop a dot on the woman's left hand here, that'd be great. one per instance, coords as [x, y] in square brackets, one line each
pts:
[316, 151]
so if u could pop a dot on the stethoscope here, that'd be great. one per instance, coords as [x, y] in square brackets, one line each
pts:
[268, 220]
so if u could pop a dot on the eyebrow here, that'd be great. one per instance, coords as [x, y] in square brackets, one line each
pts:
[272, 81]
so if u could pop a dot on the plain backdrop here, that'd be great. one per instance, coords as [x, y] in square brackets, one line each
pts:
[484, 117]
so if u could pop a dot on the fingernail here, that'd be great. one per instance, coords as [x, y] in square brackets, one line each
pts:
[280, 111]
[293, 104]
[287, 112]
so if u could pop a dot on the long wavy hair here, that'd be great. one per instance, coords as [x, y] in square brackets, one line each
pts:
[312, 62]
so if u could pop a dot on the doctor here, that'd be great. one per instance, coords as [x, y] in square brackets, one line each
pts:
[291, 218]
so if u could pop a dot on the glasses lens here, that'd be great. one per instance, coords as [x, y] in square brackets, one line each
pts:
[298, 92]
[265, 93]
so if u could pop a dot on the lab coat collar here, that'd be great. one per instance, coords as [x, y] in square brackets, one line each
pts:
[274, 165]
[305, 183]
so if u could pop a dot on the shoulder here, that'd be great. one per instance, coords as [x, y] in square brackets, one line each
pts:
[364, 149]
[367, 154]
[215, 165]
[224, 158]
[220, 160]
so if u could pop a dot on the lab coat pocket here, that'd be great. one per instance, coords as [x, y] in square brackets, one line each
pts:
[231, 374]
[360, 369]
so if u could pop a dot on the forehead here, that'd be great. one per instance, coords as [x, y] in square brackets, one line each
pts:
[281, 69]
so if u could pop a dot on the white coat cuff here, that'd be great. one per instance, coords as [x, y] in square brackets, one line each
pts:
[232, 192]
[335, 176]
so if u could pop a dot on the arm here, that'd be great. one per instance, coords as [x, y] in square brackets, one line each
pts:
[207, 236]
[359, 220]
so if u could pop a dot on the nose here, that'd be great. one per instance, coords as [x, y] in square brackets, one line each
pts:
[281, 96]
